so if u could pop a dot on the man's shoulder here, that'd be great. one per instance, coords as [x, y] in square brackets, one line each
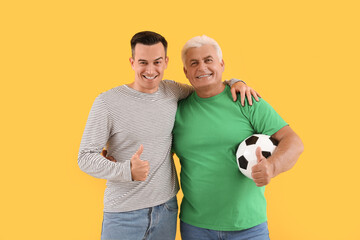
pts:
[110, 95]
[169, 84]
[171, 88]
[188, 100]
[111, 91]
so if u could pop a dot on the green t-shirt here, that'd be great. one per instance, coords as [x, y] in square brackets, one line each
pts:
[207, 132]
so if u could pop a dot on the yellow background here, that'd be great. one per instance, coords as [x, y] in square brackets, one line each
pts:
[57, 56]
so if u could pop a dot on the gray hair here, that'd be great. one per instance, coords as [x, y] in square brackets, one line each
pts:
[198, 42]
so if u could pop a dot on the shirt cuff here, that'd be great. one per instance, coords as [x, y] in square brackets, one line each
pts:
[233, 81]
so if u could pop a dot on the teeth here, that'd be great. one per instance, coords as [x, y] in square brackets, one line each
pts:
[202, 76]
[150, 78]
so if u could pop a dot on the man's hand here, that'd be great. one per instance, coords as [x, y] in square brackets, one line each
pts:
[244, 90]
[263, 171]
[139, 168]
[104, 153]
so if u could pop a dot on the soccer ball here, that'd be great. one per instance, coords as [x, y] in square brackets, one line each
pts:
[246, 152]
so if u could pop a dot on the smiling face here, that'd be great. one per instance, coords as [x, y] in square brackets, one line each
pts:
[149, 63]
[203, 67]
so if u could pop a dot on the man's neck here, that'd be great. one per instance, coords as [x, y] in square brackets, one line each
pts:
[210, 91]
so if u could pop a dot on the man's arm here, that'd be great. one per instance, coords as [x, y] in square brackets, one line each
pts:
[184, 90]
[95, 137]
[283, 159]
[237, 86]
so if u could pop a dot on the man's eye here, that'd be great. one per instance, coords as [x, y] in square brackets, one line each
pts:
[142, 63]
[193, 63]
[208, 60]
[157, 63]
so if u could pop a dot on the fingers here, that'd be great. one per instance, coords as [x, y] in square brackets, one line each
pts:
[260, 178]
[104, 153]
[233, 93]
[248, 95]
[260, 184]
[255, 94]
[140, 171]
[146, 165]
[252, 93]
[258, 95]
[245, 92]
[242, 96]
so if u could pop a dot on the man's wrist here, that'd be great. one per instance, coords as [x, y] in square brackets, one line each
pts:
[233, 81]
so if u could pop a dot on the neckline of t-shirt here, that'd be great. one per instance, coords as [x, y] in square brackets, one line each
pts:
[132, 92]
[213, 98]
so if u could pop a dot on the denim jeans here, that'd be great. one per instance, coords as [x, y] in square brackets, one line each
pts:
[190, 232]
[154, 223]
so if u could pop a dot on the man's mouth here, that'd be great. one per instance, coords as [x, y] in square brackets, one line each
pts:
[150, 78]
[205, 75]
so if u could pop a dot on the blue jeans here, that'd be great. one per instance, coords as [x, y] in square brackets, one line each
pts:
[154, 223]
[190, 232]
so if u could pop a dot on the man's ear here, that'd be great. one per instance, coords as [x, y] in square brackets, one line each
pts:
[222, 64]
[185, 71]
[166, 61]
[132, 61]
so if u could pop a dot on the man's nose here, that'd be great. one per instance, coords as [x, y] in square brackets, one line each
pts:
[150, 69]
[202, 66]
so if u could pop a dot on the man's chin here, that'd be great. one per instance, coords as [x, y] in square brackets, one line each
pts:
[154, 83]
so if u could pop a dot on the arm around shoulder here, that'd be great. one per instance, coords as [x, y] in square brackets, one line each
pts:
[182, 90]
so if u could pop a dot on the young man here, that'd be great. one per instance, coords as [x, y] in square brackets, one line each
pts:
[134, 122]
[219, 202]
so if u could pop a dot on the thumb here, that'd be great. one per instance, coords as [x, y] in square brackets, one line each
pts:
[233, 93]
[139, 151]
[259, 155]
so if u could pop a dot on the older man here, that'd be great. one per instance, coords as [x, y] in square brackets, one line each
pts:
[219, 202]
[135, 122]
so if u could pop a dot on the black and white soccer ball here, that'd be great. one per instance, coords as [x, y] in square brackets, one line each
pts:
[246, 152]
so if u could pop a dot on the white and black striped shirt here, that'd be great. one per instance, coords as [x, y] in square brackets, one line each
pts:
[121, 119]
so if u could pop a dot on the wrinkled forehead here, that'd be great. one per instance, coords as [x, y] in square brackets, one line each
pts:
[199, 53]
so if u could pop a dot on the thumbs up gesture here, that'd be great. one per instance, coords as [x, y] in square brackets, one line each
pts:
[139, 168]
[263, 171]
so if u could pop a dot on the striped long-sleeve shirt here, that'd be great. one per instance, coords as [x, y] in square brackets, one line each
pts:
[121, 119]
